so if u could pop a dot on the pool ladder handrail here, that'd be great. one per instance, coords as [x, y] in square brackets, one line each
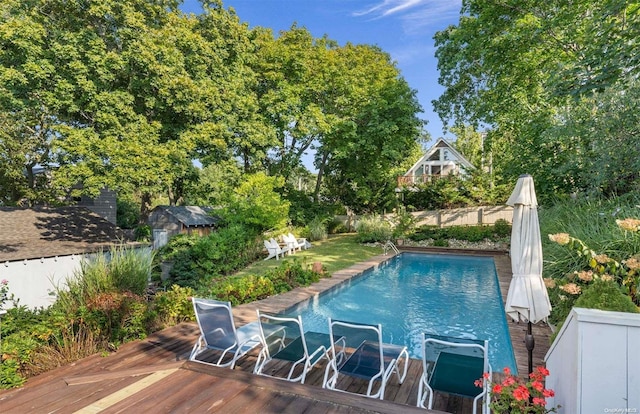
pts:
[389, 245]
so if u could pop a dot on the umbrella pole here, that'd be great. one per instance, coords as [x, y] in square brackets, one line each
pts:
[530, 344]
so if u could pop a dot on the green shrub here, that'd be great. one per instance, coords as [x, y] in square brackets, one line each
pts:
[606, 295]
[467, 233]
[10, 374]
[336, 226]
[142, 233]
[502, 228]
[257, 204]
[220, 253]
[373, 229]
[173, 306]
[130, 269]
[244, 289]
[441, 243]
[403, 223]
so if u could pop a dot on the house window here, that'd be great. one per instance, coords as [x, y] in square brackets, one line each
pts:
[435, 156]
[445, 155]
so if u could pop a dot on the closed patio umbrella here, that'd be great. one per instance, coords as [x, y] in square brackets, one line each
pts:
[527, 299]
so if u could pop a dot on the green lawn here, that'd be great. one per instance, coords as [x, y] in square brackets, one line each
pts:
[335, 253]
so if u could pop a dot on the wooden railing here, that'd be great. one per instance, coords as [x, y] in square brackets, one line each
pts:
[405, 180]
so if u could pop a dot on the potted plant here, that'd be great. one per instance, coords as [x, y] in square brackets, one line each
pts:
[514, 396]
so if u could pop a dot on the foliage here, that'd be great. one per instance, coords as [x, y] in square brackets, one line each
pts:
[106, 294]
[248, 288]
[550, 83]
[373, 229]
[127, 214]
[219, 253]
[177, 244]
[514, 396]
[173, 306]
[597, 272]
[256, 203]
[446, 192]
[403, 222]
[606, 295]
[317, 229]
[496, 232]
[336, 226]
[4, 292]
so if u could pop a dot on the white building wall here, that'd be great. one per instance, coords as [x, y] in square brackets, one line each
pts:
[33, 280]
[594, 363]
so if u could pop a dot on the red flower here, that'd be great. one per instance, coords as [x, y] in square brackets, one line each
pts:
[497, 389]
[508, 381]
[478, 383]
[485, 375]
[507, 371]
[537, 385]
[539, 401]
[548, 393]
[543, 371]
[521, 393]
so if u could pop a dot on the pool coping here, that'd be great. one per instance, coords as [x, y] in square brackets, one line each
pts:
[279, 303]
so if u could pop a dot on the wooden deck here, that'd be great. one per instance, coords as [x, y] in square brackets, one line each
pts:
[154, 374]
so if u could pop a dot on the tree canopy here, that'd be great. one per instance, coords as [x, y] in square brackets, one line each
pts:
[539, 76]
[151, 102]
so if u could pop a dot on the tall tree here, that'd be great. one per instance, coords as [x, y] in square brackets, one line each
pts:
[517, 66]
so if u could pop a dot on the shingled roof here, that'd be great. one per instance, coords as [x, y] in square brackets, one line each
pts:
[191, 216]
[30, 233]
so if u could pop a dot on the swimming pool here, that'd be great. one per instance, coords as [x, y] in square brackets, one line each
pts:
[412, 293]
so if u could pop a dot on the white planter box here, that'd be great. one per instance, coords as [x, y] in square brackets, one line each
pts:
[594, 363]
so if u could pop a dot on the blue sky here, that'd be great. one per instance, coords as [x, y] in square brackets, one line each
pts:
[402, 28]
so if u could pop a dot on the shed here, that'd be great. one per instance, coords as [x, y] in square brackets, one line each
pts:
[168, 221]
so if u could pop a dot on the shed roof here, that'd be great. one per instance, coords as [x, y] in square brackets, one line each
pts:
[191, 216]
[30, 233]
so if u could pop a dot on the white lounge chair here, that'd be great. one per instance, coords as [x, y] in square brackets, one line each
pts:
[274, 249]
[218, 333]
[291, 242]
[452, 365]
[301, 241]
[283, 339]
[360, 353]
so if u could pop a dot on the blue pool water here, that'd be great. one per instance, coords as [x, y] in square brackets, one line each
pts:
[413, 293]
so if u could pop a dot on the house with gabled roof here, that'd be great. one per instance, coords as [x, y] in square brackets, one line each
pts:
[41, 247]
[441, 160]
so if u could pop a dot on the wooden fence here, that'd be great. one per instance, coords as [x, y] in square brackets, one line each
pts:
[468, 216]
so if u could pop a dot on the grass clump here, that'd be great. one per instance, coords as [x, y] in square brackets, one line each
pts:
[373, 229]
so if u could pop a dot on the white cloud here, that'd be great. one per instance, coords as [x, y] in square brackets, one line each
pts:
[414, 14]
